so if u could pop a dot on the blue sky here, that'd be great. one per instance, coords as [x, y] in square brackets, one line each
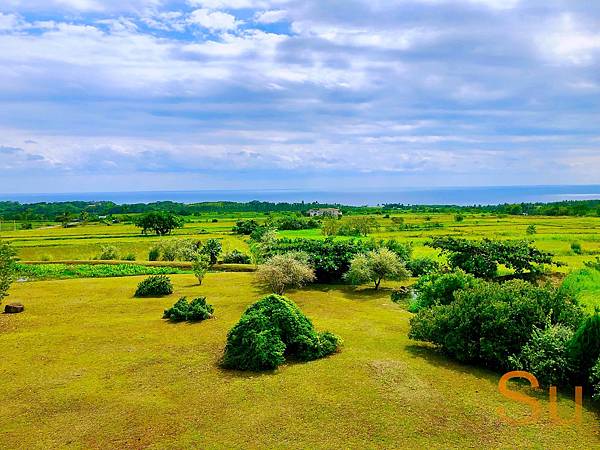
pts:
[266, 94]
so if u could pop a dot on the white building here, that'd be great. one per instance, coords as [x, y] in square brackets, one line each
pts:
[321, 212]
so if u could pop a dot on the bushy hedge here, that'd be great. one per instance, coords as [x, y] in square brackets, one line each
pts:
[154, 286]
[271, 330]
[546, 355]
[236, 257]
[439, 288]
[490, 322]
[584, 348]
[193, 311]
[423, 266]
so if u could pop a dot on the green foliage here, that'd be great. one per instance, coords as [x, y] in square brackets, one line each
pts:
[245, 227]
[576, 248]
[289, 270]
[271, 330]
[200, 266]
[546, 356]
[584, 348]
[481, 258]
[439, 288]
[490, 322]
[593, 264]
[401, 294]
[154, 254]
[212, 248]
[159, 222]
[108, 252]
[459, 218]
[531, 229]
[423, 266]
[351, 226]
[194, 311]
[297, 223]
[375, 266]
[236, 257]
[585, 285]
[154, 286]
[595, 380]
[330, 259]
[64, 271]
[7, 268]
[129, 257]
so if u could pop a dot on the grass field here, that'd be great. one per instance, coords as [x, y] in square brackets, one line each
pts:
[89, 366]
[554, 234]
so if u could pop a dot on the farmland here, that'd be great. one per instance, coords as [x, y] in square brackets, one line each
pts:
[89, 366]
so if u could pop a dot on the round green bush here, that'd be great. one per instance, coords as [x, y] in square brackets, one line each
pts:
[271, 330]
[194, 311]
[584, 348]
[154, 286]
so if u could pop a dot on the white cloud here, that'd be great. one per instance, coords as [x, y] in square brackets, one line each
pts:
[9, 21]
[272, 16]
[213, 20]
[567, 41]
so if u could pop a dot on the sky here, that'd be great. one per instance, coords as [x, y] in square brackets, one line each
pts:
[128, 95]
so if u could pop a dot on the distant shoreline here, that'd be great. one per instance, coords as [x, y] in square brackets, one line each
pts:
[459, 196]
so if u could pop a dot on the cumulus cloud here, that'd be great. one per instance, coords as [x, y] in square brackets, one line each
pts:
[421, 90]
[213, 20]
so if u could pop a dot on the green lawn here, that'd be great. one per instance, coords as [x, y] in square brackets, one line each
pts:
[88, 366]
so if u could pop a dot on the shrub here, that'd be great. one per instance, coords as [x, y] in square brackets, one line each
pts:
[129, 257]
[595, 380]
[490, 322]
[289, 270]
[194, 311]
[200, 267]
[439, 288]
[212, 248]
[576, 248]
[154, 286]
[7, 268]
[546, 356]
[423, 266]
[459, 218]
[531, 229]
[271, 330]
[154, 254]
[375, 266]
[236, 257]
[245, 227]
[108, 252]
[584, 348]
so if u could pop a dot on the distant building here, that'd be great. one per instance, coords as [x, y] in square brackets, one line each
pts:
[321, 212]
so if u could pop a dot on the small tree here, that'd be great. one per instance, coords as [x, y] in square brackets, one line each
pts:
[281, 272]
[7, 268]
[160, 222]
[212, 248]
[531, 229]
[200, 266]
[376, 266]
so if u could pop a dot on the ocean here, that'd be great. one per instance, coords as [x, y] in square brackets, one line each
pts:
[415, 196]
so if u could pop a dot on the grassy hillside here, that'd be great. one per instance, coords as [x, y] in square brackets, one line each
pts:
[89, 366]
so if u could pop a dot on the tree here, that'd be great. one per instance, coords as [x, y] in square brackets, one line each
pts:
[200, 266]
[376, 266]
[481, 258]
[212, 248]
[531, 229]
[160, 222]
[7, 268]
[288, 270]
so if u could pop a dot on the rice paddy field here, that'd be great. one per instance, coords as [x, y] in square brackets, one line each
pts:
[87, 365]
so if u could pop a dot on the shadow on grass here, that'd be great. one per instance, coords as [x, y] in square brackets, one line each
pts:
[437, 358]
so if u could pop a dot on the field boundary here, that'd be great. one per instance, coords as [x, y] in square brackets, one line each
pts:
[174, 264]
